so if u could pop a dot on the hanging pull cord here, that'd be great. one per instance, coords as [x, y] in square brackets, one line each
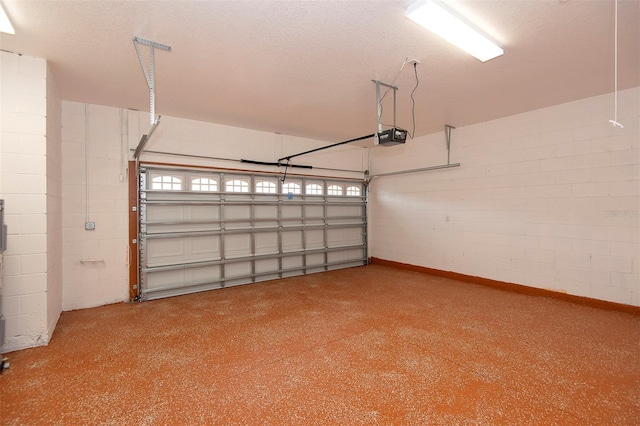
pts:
[615, 122]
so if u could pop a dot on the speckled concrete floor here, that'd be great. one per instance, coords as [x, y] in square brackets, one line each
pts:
[370, 345]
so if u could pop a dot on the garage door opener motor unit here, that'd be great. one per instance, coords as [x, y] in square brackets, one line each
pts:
[391, 137]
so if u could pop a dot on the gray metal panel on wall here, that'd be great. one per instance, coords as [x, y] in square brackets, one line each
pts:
[204, 229]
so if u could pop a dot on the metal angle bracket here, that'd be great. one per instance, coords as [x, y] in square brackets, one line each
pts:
[379, 102]
[150, 74]
[447, 135]
[145, 138]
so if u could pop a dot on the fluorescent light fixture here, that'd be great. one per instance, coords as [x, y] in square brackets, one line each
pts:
[5, 24]
[445, 24]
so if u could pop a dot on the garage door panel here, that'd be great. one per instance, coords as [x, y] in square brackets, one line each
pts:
[314, 211]
[167, 219]
[237, 212]
[172, 228]
[344, 237]
[237, 245]
[345, 255]
[266, 212]
[237, 269]
[266, 265]
[161, 280]
[208, 246]
[266, 243]
[290, 262]
[165, 213]
[314, 238]
[315, 259]
[205, 274]
[204, 236]
[203, 213]
[340, 211]
[165, 279]
[291, 241]
[355, 236]
[291, 211]
[165, 250]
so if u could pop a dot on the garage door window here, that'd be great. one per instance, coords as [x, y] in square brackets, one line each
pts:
[266, 187]
[236, 185]
[166, 183]
[353, 191]
[204, 184]
[291, 187]
[313, 189]
[334, 190]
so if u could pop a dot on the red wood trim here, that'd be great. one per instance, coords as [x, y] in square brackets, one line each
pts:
[516, 288]
[133, 231]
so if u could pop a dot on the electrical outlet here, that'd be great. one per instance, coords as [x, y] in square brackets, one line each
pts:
[89, 226]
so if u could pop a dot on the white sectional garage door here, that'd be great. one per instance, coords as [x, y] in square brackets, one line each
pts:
[202, 229]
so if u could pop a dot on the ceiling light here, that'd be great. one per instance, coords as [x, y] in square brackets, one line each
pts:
[5, 24]
[445, 24]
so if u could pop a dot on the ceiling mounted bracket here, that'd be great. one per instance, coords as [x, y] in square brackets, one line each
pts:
[379, 102]
[447, 135]
[150, 74]
[394, 135]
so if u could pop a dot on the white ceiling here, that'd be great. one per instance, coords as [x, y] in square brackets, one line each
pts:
[304, 68]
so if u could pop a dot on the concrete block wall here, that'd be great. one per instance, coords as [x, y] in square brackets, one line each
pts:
[548, 199]
[182, 136]
[94, 189]
[54, 204]
[24, 186]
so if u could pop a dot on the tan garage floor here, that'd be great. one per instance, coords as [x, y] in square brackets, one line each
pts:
[369, 345]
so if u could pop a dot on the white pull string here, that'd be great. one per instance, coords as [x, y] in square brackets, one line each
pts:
[615, 122]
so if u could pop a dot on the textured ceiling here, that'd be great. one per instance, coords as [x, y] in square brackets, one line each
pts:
[304, 68]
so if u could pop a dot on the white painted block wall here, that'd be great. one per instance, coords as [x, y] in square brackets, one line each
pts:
[177, 135]
[93, 190]
[30, 314]
[54, 204]
[548, 199]
[97, 143]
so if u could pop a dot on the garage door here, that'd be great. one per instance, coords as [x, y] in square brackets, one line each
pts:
[206, 229]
